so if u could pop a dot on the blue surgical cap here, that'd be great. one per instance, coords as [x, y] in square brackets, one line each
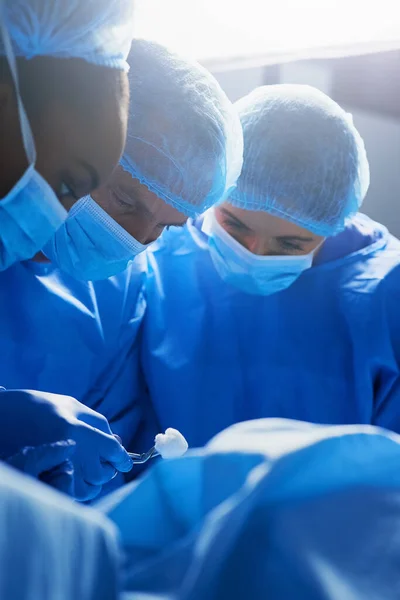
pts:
[184, 139]
[98, 31]
[304, 161]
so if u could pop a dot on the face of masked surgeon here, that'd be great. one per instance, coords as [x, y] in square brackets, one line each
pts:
[77, 112]
[138, 210]
[264, 234]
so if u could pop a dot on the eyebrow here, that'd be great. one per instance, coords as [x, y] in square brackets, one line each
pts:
[294, 238]
[238, 221]
[94, 176]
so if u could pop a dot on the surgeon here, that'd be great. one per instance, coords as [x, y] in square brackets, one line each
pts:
[64, 334]
[183, 154]
[63, 113]
[283, 301]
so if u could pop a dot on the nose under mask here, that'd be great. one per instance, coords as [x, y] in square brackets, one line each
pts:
[237, 266]
[90, 245]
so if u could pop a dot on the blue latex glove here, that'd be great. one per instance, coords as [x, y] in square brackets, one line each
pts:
[51, 463]
[31, 418]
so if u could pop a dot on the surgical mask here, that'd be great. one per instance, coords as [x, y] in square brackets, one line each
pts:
[90, 245]
[253, 274]
[30, 213]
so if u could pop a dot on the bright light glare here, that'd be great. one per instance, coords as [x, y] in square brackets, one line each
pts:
[223, 29]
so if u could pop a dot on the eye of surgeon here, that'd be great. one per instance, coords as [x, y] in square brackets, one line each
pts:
[63, 111]
[183, 154]
[295, 189]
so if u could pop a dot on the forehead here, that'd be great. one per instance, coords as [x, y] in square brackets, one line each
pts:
[263, 223]
[72, 135]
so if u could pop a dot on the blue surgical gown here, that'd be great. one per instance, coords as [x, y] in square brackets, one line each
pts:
[269, 509]
[325, 350]
[51, 548]
[72, 337]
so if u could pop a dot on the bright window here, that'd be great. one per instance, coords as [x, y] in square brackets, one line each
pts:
[212, 30]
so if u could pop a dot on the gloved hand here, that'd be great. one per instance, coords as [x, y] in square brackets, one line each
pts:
[51, 463]
[31, 418]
